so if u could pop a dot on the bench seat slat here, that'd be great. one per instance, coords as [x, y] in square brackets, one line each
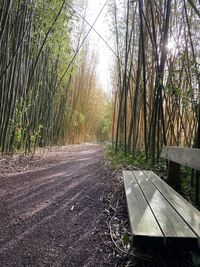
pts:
[169, 220]
[142, 221]
[190, 214]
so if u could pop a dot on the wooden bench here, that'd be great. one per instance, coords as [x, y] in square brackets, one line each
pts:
[157, 213]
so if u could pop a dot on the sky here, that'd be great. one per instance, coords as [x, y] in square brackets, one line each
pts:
[105, 55]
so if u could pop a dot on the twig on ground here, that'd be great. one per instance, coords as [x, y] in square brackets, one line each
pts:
[90, 198]
[102, 196]
[111, 234]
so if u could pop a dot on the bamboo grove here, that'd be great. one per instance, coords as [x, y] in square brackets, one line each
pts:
[41, 87]
[157, 75]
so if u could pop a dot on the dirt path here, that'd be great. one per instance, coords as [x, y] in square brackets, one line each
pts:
[65, 207]
[49, 215]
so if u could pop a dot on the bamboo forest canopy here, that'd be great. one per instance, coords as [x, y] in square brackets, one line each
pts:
[48, 94]
[157, 75]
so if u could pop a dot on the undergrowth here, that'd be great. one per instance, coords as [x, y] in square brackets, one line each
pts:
[187, 190]
[119, 161]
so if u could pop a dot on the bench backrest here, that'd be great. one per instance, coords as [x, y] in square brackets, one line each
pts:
[189, 157]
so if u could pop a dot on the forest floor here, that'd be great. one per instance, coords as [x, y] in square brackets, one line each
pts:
[66, 207]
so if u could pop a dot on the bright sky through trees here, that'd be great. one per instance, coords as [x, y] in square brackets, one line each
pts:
[171, 46]
[105, 55]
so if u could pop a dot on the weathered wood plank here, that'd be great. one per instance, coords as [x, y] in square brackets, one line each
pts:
[142, 221]
[188, 212]
[172, 225]
[189, 157]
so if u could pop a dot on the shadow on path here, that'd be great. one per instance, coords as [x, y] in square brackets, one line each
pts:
[47, 216]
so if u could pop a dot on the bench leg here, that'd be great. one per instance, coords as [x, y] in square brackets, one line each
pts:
[174, 175]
